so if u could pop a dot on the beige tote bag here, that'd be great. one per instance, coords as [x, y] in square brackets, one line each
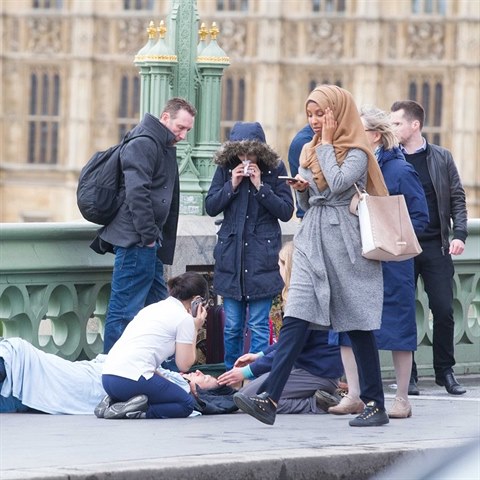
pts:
[385, 227]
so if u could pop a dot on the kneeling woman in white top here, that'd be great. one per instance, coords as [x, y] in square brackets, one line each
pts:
[156, 333]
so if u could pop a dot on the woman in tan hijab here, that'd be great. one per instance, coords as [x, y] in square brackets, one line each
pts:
[332, 285]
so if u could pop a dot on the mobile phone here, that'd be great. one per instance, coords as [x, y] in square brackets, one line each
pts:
[195, 304]
[286, 177]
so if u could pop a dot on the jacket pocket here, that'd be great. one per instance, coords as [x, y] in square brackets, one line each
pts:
[225, 254]
[265, 247]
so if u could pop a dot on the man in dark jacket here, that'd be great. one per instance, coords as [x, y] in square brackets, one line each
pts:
[312, 383]
[446, 203]
[247, 190]
[143, 233]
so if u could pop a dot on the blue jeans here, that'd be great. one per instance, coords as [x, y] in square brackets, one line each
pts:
[234, 332]
[137, 281]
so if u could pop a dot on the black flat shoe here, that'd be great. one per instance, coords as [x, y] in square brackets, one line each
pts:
[413, 388]
[451, 385]
[135, 404]
[258, 406]
[102, 406]
[372, 416]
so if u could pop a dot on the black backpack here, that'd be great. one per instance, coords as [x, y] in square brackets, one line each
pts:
[99, 192]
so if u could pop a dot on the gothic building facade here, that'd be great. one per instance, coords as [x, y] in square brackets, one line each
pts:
[69, 85]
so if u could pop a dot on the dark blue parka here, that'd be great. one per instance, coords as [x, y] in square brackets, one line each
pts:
[398, 330]
[250, 237]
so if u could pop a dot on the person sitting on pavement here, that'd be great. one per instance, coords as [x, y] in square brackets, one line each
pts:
[313, 381]
[156, 333]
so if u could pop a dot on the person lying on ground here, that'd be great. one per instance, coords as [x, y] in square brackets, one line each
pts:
[35, 381]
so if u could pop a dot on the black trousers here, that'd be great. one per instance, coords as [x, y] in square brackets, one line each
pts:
[290, 343]
[436, 270]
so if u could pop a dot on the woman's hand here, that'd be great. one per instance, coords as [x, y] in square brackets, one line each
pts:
[246, 359]
[232, 377]
[299, 184]
[255, 175]
[237, 176]
[329, 127]
[199, 320]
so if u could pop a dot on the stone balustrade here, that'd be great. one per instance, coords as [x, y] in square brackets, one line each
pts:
[54, 289]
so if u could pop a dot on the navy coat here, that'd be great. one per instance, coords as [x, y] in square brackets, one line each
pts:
[250, 237]
[398, 330]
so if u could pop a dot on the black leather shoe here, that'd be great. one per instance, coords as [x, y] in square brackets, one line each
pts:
[413, 388]
[138, 403]
[258, 406]
[102, 406]
[372, 416]
[451, 385]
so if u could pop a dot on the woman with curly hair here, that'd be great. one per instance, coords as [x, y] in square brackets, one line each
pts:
[247, 190]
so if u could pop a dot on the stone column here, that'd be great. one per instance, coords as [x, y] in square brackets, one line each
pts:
[211, 64]
[144, 69]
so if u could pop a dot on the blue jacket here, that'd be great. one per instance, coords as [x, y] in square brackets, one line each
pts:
[317, 357]
[302, 137]
[250, 237]
[398, 330]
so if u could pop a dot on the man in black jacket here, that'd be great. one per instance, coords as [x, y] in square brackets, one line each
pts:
[446, 203]
[143, 233]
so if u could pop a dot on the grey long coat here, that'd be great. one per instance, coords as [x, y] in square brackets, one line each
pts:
[332, 285]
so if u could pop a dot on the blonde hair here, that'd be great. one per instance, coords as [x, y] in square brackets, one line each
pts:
[285, 256]
[379, 121]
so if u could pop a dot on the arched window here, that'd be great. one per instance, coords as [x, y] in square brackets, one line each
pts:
[47, 4]
[429, 93]
[233, 103]
[129, 103]
[325, 80]
[328, 6]
[232, 5]
[43, 118]
[429, 7]
[138, 4]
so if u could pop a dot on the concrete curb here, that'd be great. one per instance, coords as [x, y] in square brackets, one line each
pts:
[331, 463]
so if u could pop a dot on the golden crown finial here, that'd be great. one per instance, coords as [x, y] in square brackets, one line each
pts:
[162, 29]
[151, 30]
[203, 32]
[214, 31]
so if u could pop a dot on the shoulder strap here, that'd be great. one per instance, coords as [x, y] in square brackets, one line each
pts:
[355, 199]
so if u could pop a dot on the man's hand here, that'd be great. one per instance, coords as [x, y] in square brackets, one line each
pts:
[456, 247]
[232, 377]
[246, 359]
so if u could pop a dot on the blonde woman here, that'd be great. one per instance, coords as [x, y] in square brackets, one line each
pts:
[398, 332]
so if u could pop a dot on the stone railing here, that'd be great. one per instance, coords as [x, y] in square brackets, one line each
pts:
[54, 289]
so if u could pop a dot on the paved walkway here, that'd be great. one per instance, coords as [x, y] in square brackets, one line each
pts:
[37, 446]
